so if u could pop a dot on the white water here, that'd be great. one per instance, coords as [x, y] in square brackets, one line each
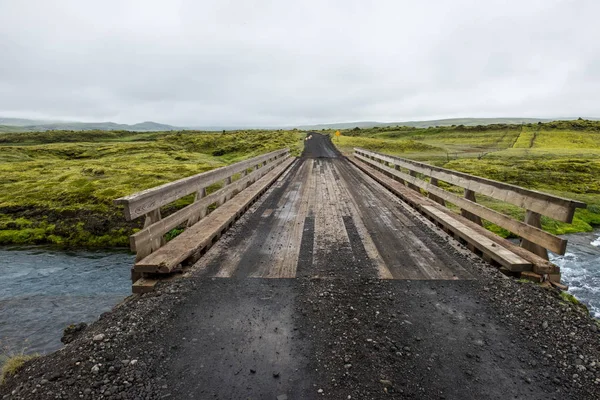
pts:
[580, 268]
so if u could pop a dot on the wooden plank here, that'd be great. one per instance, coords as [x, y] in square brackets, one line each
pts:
[532, 233]
[411, 197]
[496, 252]
[552, 206]
[432, 196]
[147, 200]
[204, 232]
[470, 195]
[144, 285]
[534, 219]
[139, 239]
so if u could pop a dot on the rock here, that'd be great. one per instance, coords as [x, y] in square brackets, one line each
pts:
[282, 397]
[133, 362]
[252, 371]
[98, 338]
[95, 369]
[320, 391]
[71, 332]
[386, 383]
[275, 374]
[545, 324]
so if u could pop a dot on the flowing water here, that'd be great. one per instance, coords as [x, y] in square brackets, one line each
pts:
[43, 290]
[580, 268]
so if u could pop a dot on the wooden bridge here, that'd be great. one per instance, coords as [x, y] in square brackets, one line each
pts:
[327, 210]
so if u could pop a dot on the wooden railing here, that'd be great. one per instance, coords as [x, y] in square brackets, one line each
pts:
[415, 174]
[233, 178]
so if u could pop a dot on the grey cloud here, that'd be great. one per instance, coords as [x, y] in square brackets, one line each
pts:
[280, 63]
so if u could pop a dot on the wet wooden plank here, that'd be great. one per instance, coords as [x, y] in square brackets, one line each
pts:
[207, 230]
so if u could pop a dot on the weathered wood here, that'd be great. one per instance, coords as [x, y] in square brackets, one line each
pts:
[154, 242]
[532, 233]
[432, 196]
[203, 233]
[470, 195]
[534, 219]
[494, 251]
[144, 285]
[145, 201]
[140, 238]
[203, 210]
[412, 185]
[417, 201]
[552, 206]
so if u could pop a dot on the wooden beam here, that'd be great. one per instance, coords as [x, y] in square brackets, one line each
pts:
[145, 201]
[534, 234]
[534, 219]
[555, 207]
[432, 196]
[494, 251]
[470, 195]
[139, 239]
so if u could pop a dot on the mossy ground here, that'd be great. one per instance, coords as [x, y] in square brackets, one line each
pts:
[561, 158]
[57, 187]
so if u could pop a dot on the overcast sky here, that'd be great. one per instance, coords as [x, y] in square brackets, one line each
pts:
[278, 62]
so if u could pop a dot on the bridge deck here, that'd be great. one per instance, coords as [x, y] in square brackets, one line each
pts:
[325, 218]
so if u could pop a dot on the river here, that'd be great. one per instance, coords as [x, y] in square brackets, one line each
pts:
[43, 290]
[580, 268]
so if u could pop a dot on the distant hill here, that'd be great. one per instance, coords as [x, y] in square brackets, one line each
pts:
[435, 122]
[29, 125]
[26, 125]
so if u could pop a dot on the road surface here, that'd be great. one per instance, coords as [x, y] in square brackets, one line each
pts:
[332, 288]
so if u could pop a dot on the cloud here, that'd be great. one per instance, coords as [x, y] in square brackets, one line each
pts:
[266, 62]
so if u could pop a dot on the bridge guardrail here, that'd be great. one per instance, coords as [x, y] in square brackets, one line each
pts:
[535, 203]
[234, 178]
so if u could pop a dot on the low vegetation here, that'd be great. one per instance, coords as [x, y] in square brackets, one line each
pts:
[561, 157]
[57, 187]
[11, 365]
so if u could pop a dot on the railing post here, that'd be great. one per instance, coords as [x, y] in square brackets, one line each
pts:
[433, 197]
[410, 185]
[534, 219]
[470, 195]
[397, 168]
[199, 194]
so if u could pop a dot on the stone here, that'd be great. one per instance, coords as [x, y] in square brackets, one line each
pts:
[98, 338]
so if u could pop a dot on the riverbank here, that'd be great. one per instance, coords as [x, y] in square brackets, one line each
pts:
[57, 187]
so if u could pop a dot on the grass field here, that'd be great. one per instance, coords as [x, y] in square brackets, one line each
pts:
[562, 158]
[58, 187]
